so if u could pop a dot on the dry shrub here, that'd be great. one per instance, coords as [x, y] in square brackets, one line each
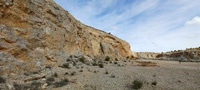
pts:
[146, 64]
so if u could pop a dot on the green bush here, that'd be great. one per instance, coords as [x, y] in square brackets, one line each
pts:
[101, 65]
[82, 59]
[154, 83]
[107, 58]
[137, 84]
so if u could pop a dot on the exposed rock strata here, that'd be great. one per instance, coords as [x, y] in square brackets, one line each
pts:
[185, 55]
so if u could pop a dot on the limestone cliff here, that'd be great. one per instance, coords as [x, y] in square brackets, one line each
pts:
[36, 33]
[146, 55]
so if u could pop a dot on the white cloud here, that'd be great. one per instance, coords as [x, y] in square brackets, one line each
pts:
[148, 25]
[194, 22]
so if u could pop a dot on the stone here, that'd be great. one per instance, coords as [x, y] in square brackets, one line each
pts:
[39, 33]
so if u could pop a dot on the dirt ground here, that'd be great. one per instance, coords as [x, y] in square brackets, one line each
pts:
[168, 75]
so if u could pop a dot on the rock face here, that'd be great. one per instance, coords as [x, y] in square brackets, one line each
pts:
[146, 55]
[37, 33]
[185, 55]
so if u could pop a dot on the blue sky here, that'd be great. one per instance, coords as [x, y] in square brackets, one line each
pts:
[147, 25]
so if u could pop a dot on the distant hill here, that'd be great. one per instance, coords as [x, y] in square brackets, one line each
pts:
[190, 54]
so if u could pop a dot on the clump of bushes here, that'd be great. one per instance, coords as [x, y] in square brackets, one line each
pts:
[95, 64]
[61, 83]
[50, 80]
[107, 58]
[32, 86]
[82, 59]
[137, 84]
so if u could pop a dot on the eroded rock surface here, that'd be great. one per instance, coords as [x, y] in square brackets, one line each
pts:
[39, 33]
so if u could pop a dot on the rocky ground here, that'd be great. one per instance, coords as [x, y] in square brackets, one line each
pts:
[78, 74]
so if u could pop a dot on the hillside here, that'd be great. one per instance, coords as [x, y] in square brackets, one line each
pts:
[188, 55]
[192, 54]
[39, 34]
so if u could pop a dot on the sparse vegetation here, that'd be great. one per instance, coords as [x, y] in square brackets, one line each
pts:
[61, 83]
[68, 60]
[106, 72]
[55, 75]
[32, 86]
[50, 80]
[66, 65]
[49, 67]
[115, 62]
[73, 73]
[19, 86]
[81, 71]
[127, 57]
[71, 56]
[66, 73]
[107, 58]
[95, 64]
[74, 64]
[2, 80]
[154, 83]
[82, 59]
[113, 76]
[146, 64]
[137, 84]
[154, 75]
[110, 61]
[101, 65]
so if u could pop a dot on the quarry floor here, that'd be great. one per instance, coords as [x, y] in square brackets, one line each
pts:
[168, 75]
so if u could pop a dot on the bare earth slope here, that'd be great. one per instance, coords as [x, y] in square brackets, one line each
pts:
[39, 33]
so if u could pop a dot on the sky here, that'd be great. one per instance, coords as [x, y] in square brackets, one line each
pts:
[147, 25]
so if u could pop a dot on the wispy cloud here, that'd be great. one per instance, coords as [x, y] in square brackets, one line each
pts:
[148, 25]
[195, 21]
